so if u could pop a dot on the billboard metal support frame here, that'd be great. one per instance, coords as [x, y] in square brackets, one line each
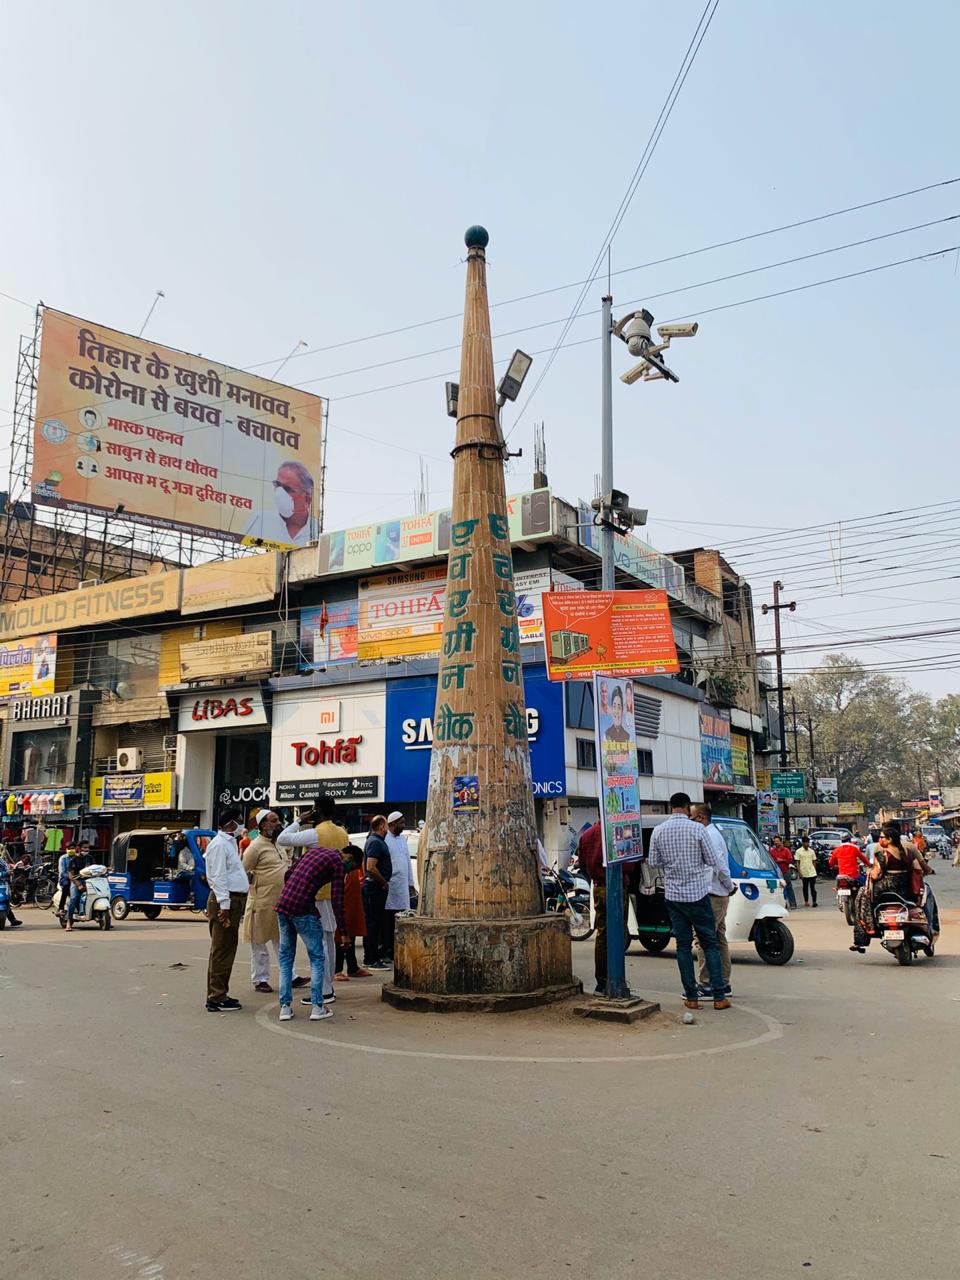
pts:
[54, 545]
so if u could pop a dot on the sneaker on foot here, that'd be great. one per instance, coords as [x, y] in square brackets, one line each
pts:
[263, 986]
[286, 1013]
[228, 1004]
[381, 964]
[300, 982]
[326, 999]
[320, 1012]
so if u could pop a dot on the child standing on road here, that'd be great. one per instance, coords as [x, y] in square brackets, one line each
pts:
[806, 861]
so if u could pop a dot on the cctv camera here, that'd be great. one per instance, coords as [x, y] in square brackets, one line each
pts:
[636, 334]
[633, 375]
[678, 330]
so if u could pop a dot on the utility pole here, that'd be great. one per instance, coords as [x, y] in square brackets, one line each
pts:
[796, 739]
[920, 790]
[778, 650]
[813, 758]
[616, 951]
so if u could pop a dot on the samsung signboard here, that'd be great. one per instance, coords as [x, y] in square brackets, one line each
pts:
[410, 707]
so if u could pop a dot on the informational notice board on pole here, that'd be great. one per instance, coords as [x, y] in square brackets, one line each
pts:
[768, 813]
[626, 633]
[619, 778]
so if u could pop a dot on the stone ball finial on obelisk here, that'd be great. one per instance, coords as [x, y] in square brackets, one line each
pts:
[482, 938]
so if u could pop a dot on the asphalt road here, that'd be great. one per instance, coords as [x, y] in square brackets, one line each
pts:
[812, 1130]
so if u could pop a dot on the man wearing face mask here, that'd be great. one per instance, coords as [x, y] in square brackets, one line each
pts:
[228, 896]
[291, 522]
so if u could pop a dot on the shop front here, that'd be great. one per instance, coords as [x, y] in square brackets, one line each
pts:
[46, 761]
[410, 706]
[330, 742]
[136, 800]
[223, 751]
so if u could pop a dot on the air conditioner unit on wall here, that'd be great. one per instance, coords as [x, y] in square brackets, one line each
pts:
[129, 759]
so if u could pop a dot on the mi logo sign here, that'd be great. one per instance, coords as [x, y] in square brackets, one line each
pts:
[328, 716]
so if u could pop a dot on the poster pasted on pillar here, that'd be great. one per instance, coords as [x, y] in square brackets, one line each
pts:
[618, 774]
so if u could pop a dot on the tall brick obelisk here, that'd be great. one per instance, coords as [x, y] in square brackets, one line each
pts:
[482, 939]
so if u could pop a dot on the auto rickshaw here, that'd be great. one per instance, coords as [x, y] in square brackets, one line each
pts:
[757, 911]
[155, 869]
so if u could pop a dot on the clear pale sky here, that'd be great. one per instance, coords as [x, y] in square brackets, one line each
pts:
[306, 171]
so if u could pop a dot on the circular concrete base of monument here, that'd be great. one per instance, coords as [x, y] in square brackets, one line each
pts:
[481, 965]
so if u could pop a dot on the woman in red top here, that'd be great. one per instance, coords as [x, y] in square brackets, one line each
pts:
[356, 920]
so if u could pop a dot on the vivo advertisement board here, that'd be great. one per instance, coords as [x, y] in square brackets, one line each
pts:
[410, 706]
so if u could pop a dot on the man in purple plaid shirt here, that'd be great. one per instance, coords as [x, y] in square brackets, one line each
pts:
[681, 847]
[297, 912]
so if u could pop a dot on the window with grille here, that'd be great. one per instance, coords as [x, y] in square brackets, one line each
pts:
[586, 753]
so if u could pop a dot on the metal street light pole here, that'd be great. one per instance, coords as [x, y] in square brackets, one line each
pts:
[616, 950]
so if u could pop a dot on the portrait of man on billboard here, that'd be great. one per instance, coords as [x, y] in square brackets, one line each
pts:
[291, 521]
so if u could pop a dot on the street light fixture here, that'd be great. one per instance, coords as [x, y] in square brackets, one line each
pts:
[512, 380]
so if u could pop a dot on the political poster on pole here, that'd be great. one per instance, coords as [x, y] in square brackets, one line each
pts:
[617, 771]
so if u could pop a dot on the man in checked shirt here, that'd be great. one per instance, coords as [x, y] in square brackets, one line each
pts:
[681, 847]
[297, 912]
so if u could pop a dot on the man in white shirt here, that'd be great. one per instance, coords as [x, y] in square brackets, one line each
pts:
[228, 896]
[719, 898]
[401, 879]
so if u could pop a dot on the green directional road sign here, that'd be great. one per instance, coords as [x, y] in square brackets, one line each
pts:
[790, 784]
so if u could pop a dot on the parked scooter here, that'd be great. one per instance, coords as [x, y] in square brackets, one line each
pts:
[94, 905]
[903, 928]
[566, 893]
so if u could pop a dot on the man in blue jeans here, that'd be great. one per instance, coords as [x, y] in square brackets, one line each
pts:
[297, 913]
[681, 848]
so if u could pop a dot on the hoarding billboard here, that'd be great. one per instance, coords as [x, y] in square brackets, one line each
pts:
[90, 606]
[172, 439]
[740, 758]
[624, 633]
[328, 635]
[716, 753]
[367, 546]
[28, 667]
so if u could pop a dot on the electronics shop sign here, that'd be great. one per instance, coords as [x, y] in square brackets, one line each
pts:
[410, 707]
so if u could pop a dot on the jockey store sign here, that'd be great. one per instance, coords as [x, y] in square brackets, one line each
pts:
[222, 709]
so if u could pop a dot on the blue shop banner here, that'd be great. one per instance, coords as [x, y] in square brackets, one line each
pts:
[410, 706]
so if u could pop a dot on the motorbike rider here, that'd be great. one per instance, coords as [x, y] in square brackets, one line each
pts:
[75, 864]
[848, 858]
[891, 871]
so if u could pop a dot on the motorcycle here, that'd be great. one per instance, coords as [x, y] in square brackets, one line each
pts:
[36, 884]
[566, 893]
[847, 888]
[903, 928]
[94, 905]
